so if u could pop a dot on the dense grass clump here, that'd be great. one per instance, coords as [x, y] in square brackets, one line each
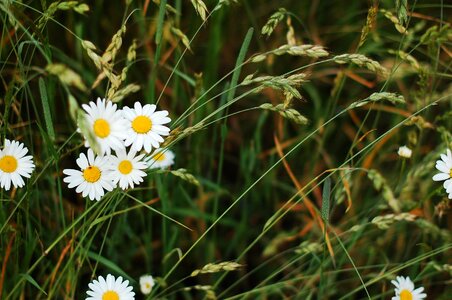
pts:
[288, 121]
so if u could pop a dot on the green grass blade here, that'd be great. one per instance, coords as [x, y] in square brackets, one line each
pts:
[162, 10]
[326, 199]
[238, 64]
[33, 282]
[110, 265]
[46, 108]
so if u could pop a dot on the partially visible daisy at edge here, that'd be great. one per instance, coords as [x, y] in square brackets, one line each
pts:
[110, 289]
[93, 178]
[127, 168]
[161, 158]
[146, 284]
[14, 164]
[107, 125]
[145, 126]
[405, 289]
[445, 167]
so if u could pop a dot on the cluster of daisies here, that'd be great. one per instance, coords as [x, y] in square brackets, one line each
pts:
[141, 129]
[119, 289]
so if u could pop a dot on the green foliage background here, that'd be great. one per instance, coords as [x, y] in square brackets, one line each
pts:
[323, 209]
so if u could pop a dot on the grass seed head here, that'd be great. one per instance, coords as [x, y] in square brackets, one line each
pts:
[288, 113]
[214, 268]
[384, 222]
[67, 76]
[200, 8]
[362, 61]
[183, 174]
[273, 21]
[397, 24]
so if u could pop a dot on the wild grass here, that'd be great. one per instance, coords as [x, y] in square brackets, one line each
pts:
[286, 121]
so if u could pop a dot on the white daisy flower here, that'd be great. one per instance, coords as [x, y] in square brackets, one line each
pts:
[161, 159]
[146, 284]
[14, 164]
[107, 124]
[94, 177]
[127, 168]
[145, 126]
[110, 289]
[405, 289]
[404, 152]
[445, 167]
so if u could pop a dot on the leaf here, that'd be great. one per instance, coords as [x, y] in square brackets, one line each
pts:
[239, 62]
[33, 282]
[109, 264]
[326, 199]
[161, 16]
[271, 221]
[46, 109]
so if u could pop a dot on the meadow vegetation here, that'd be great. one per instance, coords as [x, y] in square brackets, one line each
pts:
[287, 119]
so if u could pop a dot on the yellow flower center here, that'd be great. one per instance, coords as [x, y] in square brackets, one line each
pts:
[148, 285]
[91, 174]
[125, 167]
[8, 164]
[450, 173]
[101, 128]
[142, 124]
[110, 295]
[159, 157]
[406, 295]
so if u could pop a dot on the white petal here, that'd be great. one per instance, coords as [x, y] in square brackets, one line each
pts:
[75, 182]
[71, 172]
[441, 166]
[138, 144]
[91, 156]
[138, 108]
[82, 161]
[440, 177]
